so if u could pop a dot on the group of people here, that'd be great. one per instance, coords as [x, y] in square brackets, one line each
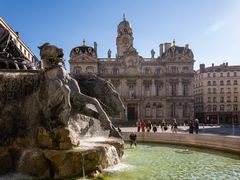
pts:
[148, 126]
[141, 126]
[193, 126]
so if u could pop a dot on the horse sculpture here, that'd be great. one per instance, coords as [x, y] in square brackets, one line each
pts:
[103, 91]
[48, 98]
[62, 92]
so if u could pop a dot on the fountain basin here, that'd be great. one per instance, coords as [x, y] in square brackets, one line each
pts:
[161, 161]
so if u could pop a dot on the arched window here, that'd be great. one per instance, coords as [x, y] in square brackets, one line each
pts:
[174, 69]
[77, 71]
[174, 89]
[209, 108]
[104, 71]
[148, 110]
[214, 108]
[159, 110]
[115, 71]
[147, 71]
[147, 90]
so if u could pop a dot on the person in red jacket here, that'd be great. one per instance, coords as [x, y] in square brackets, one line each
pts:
[142, 124]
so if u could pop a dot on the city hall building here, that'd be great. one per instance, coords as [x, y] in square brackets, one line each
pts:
[153, 88]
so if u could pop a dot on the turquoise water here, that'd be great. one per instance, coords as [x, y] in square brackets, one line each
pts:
[153, 162]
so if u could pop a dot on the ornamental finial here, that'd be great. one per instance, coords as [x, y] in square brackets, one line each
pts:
[84, 43]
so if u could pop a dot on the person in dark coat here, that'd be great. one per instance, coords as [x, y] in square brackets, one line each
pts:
[149, 126]
[191, 127]
[133, 139]
[154, 127]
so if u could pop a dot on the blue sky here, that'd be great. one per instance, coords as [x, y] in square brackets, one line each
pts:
[210, 27]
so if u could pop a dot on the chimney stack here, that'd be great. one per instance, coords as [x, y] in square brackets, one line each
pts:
[212, 64]
[202, 68]
[161, 49]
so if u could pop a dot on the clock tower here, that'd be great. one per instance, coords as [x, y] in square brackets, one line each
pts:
[124, 39]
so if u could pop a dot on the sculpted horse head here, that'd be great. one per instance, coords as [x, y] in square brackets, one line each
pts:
[51, 55]
[104, 91]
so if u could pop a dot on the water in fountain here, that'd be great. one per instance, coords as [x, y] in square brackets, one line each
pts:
[112, 156]
[22, 158]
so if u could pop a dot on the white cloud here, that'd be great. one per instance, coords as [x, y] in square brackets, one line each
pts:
[216, 26]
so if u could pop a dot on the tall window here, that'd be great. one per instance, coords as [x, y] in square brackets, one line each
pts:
[174, 89]
[209, 108]
[148, 110]
[235, 107]
[147, 90]
[158, 71]
[228, 82]
[185, 89]
[158, 90]
[209, 83]
[209, 91]
[221, 107]
[174, 69]
[214, 91]
[229, 107]
[115, 71]
[132, 91]
[159, 110]
[222, 99]
[222, 90]
[147, 71]
[214, 99]
[221, 83]
[214, 108]
[235, 82]
[185, 110]
[173, 110]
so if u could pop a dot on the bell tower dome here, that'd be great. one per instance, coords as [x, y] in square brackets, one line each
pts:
[124, 38]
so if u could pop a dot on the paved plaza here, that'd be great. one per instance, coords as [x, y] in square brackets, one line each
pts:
[220, 130]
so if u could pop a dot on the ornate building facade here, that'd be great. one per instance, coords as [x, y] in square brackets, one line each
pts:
[217, 94]
[22, 47]
[153, 88]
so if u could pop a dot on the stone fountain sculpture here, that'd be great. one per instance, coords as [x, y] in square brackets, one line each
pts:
[43, 117]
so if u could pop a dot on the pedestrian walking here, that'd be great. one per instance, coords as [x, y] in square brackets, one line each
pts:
[174, 126]
[142, 124]
[154, 127]
[163, 123]
[138, 125]
[191, 127]
[196, 126]
[149, 126]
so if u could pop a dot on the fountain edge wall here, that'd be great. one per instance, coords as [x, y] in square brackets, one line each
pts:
[217, 142]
